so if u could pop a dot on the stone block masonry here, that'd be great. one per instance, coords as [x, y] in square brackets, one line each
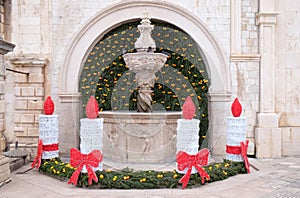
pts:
[29, 100]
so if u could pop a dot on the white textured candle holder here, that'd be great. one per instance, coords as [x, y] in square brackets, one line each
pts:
[91, 135]
[48, 133]
[187, 139]
[236, 133]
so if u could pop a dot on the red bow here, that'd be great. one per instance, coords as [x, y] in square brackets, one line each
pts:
[185, 160]
[37, 160]
[244, 148]
[78, 160]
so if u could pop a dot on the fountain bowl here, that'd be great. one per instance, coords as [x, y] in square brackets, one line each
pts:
[140, 137]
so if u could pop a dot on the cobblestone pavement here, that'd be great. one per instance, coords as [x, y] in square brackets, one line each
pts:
[273, 178]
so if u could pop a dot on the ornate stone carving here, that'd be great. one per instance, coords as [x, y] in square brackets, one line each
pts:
[140, 137]
[145, 41]
[145, 63]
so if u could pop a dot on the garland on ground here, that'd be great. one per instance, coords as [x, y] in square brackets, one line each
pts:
[130, 179]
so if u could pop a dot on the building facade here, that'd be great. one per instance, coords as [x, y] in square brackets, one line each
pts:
[251, 49]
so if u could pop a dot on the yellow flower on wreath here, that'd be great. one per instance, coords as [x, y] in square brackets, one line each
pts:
[227, 165]
[143, 180]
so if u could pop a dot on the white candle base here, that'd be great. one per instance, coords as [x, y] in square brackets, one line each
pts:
[91, 134]
[187, 139]
[48, 133]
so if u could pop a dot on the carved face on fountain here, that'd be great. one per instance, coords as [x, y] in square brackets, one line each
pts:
[145, 63]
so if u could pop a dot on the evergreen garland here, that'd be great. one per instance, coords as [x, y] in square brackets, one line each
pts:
[146, 179]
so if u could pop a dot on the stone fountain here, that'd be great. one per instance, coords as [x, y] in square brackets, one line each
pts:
[145, 136]
[145, 63]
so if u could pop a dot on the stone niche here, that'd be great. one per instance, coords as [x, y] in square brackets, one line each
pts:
[140, 137]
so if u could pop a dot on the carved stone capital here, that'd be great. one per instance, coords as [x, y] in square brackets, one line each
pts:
[266, 18]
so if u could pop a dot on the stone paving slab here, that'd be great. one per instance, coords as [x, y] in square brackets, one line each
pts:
[274, 178]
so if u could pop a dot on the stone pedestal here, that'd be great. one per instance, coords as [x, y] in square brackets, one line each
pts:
[268, 136]
[140, 137]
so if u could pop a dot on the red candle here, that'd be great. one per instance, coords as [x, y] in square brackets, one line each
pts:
[188, 109]
[236, 108]
[48, 106]
[92, 108]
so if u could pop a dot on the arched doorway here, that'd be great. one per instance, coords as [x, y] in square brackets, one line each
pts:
[112, 17]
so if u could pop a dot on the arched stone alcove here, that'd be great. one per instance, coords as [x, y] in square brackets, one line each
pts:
[103, 22]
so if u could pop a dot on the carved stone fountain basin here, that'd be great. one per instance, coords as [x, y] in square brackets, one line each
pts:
[140, 137]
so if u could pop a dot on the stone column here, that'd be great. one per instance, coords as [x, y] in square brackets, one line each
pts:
[218, 110]
[29, 100]
[69, 112]
[5, 47]
[267, 134]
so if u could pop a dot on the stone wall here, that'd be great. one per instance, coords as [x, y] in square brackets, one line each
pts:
[29, 100]
[249, 37]
[287, 72]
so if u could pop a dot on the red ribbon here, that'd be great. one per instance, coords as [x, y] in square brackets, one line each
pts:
[185, 160]
[237, 150]
[41, 148]
[50, 147]
[37, 160]
[244, 148]
[78, 160]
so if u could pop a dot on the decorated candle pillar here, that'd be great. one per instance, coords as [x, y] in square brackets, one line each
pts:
[236, 149]
[188, 159]
[91, 131]
[48, 130]
[188, 131]
[48, 134]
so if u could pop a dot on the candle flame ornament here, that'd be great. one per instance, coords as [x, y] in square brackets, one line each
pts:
[92, 108]
[188, 109]
[48, 106]
[236, 108]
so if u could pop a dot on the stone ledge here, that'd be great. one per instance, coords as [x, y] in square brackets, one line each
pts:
[245, 57]
[266, 18]
[29, 61]
[70, 97]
